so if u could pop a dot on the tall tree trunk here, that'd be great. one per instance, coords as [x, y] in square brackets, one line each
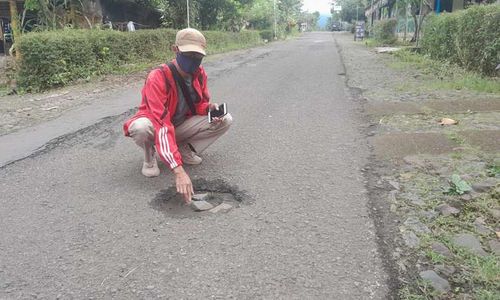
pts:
[406, 22]
[14, 23]
[417, 29]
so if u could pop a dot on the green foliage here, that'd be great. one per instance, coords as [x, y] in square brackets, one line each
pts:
[205, 14]
[56, 58]
[266, 35]
[458, 186]
[493, 171]
[352, 10]
[231, 15]
[468, 38]
[446, 75]
[311, 19]
[385, 31]
[260, 15]
[289, 13]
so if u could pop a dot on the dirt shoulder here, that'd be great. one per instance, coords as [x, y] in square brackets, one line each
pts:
[434, 189]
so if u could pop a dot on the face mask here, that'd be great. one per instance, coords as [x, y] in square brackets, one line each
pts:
[188, 64]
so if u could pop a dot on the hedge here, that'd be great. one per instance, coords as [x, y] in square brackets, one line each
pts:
[469, 38]
[56, 58]
[267, 34]
[384, 31]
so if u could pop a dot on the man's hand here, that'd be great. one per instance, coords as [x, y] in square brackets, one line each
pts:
[214, 106]
[183, 184]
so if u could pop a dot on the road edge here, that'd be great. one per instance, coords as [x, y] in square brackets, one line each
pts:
[378, 209]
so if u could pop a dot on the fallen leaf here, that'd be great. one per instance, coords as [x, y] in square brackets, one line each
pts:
[406, 176]
[498, 234]
[448, 121]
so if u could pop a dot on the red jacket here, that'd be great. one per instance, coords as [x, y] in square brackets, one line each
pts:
[159, 102]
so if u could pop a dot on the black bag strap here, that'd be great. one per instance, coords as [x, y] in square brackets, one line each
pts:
[185, 92]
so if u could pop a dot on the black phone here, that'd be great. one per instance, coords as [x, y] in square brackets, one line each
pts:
[220, 112]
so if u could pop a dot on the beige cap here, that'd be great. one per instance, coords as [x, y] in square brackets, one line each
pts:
[191, 40]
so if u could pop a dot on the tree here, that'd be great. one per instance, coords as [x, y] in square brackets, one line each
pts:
[311, 19]
[419, 9]
[173, 12]
[14, 24]
[221, 14]
[290, 12]
[14, 19]
[205, 14]
[56, 14]
[259, 14]
[351, 10]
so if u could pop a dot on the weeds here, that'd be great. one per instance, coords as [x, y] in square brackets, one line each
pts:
[449, 76]
[476, 276]
[4, 90]
[453, 136]
[493, 171]
[458, 186]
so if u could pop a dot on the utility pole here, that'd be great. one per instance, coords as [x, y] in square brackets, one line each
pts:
[417, 28]
[406, 21]
[187, 5]
[397, 19]
[357, 14]
[371, 10]
[275, 21]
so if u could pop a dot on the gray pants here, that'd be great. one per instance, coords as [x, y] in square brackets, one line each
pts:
[195, 131]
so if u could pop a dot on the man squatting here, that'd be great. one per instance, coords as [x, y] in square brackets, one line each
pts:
[172, 117]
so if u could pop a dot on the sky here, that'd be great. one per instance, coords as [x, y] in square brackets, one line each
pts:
[323, 6]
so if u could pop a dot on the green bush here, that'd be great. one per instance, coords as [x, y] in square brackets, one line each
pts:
[385, 31]
[469, 38]
[56, 58]
[267, 35]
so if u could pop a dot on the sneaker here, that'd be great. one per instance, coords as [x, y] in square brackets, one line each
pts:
[150, 169]
[188, 156]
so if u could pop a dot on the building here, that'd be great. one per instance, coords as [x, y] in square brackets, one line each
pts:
[303, 27]
[384, 9]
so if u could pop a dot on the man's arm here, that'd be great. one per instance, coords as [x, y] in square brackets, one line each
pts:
[183, 184]
[156, 95]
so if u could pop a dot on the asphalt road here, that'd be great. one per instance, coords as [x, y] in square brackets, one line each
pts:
[78, 219]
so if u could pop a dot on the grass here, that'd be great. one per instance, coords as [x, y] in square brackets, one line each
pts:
[423, 291]
[371, 43]
[4, 90]
[457, 155]
[455, 137]
[476, 276]
[493, 170]
[449, 76]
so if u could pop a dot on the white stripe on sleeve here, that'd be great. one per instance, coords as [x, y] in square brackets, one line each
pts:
[166, 147]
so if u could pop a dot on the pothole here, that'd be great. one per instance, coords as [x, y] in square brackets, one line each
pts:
[220, 198]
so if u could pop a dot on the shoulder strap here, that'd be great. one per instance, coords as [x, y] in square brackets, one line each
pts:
[200, 80]
[184, 88]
